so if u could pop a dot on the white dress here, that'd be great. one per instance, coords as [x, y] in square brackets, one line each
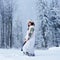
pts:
[29, 45]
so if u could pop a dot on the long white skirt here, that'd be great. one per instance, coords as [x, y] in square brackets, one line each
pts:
[29, 45]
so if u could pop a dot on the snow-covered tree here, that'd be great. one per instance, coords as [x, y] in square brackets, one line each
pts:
[10, 26]
[54, 18]
[6, 23]
[41, 21]
[17, 27]
[17, 34]
[48, 29]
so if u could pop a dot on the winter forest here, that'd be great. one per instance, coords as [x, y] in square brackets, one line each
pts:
[14, 16]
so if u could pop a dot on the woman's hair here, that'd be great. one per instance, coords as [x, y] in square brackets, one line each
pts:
[32, 23]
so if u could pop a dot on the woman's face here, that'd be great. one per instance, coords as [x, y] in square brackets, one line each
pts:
[29, 24]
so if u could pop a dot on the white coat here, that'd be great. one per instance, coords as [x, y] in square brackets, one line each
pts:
[29, 45]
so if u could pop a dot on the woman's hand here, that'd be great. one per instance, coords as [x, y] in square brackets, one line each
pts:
[26, 40]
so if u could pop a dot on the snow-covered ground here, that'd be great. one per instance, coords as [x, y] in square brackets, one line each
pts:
[16, 54]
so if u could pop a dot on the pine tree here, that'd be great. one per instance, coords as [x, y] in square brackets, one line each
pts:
[6, 21]
[42, 10]
[54, 19]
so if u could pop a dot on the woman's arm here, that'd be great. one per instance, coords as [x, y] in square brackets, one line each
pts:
[30, 32]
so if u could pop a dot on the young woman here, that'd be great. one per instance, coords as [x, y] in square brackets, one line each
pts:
[28, 46]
